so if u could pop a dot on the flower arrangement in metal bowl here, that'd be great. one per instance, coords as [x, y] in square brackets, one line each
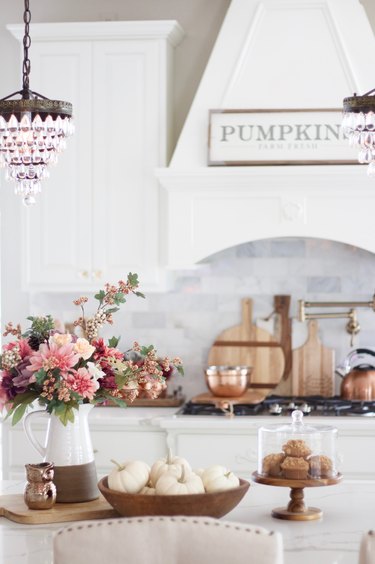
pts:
[62, 370]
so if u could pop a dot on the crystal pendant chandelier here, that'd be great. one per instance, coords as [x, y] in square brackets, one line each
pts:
[33, 130]
[359, 126]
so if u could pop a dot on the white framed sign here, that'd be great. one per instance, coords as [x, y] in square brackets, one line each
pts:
[290, 137]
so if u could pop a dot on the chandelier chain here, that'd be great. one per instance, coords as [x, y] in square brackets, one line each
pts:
[26, 45]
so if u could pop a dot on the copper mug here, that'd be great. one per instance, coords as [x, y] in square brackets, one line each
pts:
[40, 491]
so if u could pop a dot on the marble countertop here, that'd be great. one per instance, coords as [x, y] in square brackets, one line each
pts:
[347, 507]
[169, 418]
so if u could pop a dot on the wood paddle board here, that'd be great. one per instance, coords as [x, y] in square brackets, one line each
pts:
[248, 398]
[313, 366]
[248, 345]
[283, 333]
[15, 509]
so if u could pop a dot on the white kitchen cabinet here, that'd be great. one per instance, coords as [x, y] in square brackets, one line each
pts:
[98, 215]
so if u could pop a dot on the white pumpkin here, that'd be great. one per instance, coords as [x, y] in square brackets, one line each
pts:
[217, 478]
[147, 490]
[199, 471]
[172, 484]
[169, 464]
[129, 477]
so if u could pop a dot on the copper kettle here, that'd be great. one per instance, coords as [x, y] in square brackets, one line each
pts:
[359, 380]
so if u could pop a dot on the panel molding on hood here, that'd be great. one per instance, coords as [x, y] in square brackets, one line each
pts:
[209, 210]
[271, 54]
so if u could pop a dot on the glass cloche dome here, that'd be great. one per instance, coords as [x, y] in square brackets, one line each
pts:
[297, 451]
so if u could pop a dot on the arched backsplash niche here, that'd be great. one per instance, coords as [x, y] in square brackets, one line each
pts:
[205, 300]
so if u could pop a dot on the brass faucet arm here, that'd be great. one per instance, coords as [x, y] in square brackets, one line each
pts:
[329, 315]
[370, 304]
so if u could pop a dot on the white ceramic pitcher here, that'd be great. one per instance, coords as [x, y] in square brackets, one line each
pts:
[65, 445]
[69, 448]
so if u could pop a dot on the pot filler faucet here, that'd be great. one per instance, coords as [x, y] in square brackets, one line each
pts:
[352, 326]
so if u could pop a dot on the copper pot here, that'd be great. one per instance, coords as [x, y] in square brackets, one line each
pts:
[359, 381]
[228, 381]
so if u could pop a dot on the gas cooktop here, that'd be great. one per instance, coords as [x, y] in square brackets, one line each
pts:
[281, 405]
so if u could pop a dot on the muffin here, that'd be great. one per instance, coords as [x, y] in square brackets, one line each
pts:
[320, 466]
[295, 468]
[296, 447]
[271, 464]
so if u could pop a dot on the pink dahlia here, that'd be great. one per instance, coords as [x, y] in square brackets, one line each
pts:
[81, 382]
[50, 356]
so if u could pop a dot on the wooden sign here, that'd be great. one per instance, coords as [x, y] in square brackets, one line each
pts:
[290, 137]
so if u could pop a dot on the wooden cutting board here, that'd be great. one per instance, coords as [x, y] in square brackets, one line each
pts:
[14, 508]
[169, 401]
[283, 333]
[249, 398]
[249, 345]
[313, 366]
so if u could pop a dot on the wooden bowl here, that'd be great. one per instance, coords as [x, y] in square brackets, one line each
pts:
[207, 504]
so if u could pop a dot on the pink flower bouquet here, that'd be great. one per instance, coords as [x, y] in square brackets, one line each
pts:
[61, 370]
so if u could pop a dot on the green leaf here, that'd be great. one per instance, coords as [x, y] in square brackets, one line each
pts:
[119, 298]
[133, 279]
[66, 415]
[146, 350]
[113, 342]
[40, 376]
[107, 397]
[139, 294]
[180, 369]
[40, 327]
[25, 397]
[100, 296]
[120, 380]
[117, 401]
[19, 412]
[112, 310]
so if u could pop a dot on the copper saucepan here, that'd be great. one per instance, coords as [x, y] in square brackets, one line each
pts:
[359, 380]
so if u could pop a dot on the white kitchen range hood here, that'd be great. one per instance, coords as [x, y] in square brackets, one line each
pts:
[272, 54]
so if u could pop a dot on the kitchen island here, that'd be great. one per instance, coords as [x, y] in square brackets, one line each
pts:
[145, 433]
[347, 514]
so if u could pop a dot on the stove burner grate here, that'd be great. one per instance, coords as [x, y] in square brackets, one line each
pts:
[283, 406]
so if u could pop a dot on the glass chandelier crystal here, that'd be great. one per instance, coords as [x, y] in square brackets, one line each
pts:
[33, 130]
[359, 126]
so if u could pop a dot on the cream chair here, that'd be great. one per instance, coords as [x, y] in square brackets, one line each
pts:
[367, 548]
[166, 540]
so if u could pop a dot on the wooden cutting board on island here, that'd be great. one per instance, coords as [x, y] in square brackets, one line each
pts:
[13, 507]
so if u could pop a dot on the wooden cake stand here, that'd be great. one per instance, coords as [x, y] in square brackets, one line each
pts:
[296, 509]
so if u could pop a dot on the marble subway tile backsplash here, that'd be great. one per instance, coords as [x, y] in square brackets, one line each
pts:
[323, 284]
[205, 300]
